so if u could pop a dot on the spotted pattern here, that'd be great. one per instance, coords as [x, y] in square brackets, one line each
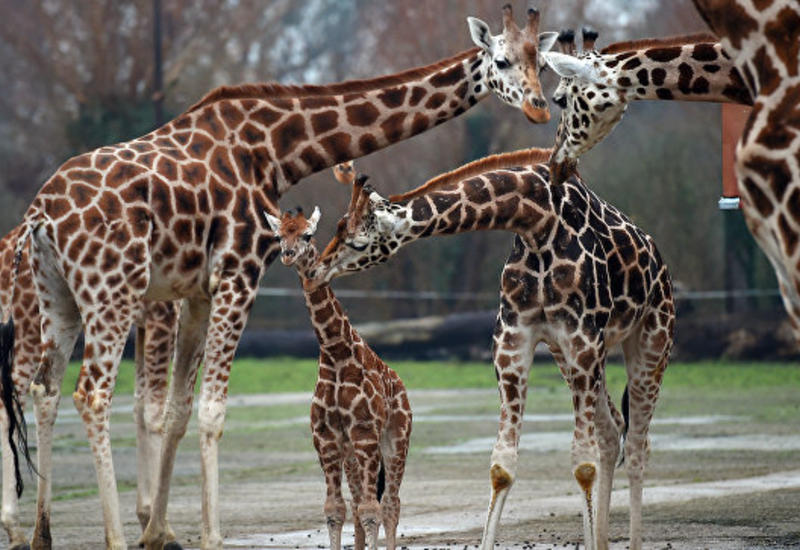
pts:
[176, 214]
[360, 413]
[157, 322]
[594, 102]
[763, 40]
[581, 278]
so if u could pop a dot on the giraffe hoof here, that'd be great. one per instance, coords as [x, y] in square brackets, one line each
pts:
[173, 545]
[22, 546]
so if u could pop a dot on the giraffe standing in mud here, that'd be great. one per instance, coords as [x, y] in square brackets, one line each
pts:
[360, 414]
[581, 278]
[155, 337]
[176, 214]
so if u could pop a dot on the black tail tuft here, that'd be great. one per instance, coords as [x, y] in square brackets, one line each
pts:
[381, 485]
[11, 403]
[626, 411]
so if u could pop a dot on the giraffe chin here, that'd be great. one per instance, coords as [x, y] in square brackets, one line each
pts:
[537, 115]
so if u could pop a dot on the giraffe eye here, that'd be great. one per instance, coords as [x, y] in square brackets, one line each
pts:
[502, 63]
[306, 238]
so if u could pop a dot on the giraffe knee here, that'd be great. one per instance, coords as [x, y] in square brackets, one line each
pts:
[211, 419]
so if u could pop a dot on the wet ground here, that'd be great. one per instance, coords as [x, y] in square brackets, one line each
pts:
[724, 473]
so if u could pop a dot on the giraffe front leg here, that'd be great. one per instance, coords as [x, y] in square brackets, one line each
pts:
[193, 324]
[330, 460]
[227, 323]
[513, 355]
[354, 482]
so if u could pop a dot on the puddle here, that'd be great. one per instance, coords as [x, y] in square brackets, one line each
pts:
[544, 442]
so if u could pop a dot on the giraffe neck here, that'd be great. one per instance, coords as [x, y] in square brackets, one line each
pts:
[280, 135]
[691, 72]
[761, 37]
[331, 324]
[505, 200]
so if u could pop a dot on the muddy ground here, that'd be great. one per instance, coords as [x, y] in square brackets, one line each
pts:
[724, 473]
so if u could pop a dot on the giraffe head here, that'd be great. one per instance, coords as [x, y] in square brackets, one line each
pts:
[345, 172]
[516, 59]
[294, 231]
[592, 103]
[367, 235]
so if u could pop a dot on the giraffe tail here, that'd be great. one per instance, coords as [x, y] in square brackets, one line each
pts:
[626, 411]
[8, 390]
[381, 482]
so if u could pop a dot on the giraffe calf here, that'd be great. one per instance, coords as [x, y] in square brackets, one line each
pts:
[360, 414]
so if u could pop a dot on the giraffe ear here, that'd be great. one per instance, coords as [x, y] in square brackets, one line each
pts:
[569, 66]
[274, 223]
[314, 220]
[546, 41]
[480, 32]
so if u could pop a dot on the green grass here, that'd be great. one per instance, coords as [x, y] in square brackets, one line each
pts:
[299, 375]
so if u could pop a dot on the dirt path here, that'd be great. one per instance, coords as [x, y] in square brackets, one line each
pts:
[719, 482]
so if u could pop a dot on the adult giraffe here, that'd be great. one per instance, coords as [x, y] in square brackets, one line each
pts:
[155, 337]
[177, 214]
[763, 40]
[581, 278]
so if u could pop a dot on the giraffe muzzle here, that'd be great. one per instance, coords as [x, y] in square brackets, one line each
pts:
[538, 113]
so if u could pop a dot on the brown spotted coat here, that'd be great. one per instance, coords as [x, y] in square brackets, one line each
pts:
[581, 278]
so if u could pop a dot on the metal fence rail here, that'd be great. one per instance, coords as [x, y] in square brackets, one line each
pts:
[493, 296]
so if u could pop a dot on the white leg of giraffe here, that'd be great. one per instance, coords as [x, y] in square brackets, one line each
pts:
[513, 356]
[188, 353]
[646, 354]
[10, 512]
[223, 336]
[60, 327]
[105, 333]
[154, 346]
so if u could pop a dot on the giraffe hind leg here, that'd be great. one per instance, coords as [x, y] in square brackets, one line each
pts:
[60, 324]
[646, 354]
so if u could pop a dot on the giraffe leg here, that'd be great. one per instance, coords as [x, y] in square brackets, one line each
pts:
[330, 459]
[106, 330]
[193, 324]
[154, 347]
[595, 444]
[513, 356]
[354, 482]
[646, 354]
[10, 514]
[368, 509]
[60, 326]
[223, 336]
[394, 449]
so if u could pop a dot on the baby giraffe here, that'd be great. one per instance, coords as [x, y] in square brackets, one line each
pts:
[360, 415]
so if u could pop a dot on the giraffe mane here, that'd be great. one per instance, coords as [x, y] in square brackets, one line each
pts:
[275, 90]
[521, 157]
[643, 43]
